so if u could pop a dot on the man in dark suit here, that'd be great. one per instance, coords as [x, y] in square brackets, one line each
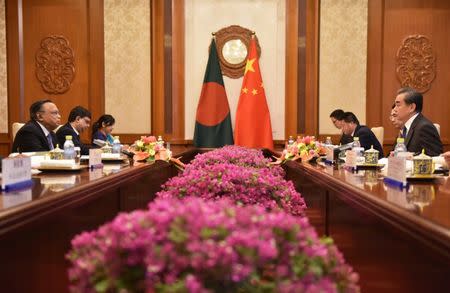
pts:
[37, 134]
[418, 131]
[367, 139]
[79, 120]
[337, 117]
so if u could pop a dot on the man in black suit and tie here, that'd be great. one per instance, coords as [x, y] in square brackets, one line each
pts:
[79, 120]
[418, 131]
[37, 134]
[367, 138]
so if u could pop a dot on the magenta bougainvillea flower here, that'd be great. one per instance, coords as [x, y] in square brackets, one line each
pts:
[192, 245]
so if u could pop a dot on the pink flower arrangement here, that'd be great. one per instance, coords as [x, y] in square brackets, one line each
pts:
[148, 148]
[304, 148]
[202, 246]
[236, 155]
[242, 185]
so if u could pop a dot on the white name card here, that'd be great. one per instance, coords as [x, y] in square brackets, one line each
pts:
[95, 158]
[350, 158]
[15, 171]
[397, 169]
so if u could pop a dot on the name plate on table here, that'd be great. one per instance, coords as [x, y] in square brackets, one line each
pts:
[16, 173]
[95, 158]
[350, 159]
[397, 169]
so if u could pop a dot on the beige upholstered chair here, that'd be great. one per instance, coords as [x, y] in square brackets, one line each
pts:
[379, 133]
[15, 127]
[56, 129]
[438, 128]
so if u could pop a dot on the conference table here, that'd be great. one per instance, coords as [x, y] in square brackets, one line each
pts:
[397, 240]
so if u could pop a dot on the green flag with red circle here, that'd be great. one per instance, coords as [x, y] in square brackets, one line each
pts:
[213, 119]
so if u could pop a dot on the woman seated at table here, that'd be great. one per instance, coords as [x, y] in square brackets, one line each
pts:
[102, 128]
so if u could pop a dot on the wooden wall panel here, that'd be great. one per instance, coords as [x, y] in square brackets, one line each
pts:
[291, 88]
[312, 68]
[43, 18]
[390, 22]
[4, 144]
[157, 36]
[296, 47]
[81, 23]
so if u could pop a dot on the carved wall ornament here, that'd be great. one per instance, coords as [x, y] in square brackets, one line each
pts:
[416, 63]
[55, 65]
[233, 44]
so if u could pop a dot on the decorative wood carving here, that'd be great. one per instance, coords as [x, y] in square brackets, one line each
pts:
[416, 63]
[234, 32]
[55, 65]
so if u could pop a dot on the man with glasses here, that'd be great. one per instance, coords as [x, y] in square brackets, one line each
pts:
[37, 134]
[337, 117]
[79, 120]
[418, 131]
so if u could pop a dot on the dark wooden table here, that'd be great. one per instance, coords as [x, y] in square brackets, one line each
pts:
[36, 225]
[397, 240]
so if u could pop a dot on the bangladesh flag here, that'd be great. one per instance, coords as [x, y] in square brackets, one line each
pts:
[213, 119]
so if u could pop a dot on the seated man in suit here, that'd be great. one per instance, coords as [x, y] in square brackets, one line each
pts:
[337, 117]
[418, 131]
[37, 134]
[367, 139]
[79, 120]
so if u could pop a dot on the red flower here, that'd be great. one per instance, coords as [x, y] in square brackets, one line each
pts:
[148, 139]
[307, 140]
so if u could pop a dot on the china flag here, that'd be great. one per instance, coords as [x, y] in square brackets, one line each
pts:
[253, 128]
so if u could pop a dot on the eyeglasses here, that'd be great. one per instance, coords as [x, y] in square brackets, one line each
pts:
[54, 113]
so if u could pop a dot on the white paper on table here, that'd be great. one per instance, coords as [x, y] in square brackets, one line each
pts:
[66, 179]
[36, 161]
[58, 163]
[110, 156]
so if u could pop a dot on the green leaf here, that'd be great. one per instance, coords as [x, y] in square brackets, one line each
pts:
[316, 266]
[326, 240]
[102, 285]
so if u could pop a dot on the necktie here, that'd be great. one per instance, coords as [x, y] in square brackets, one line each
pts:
[50, 142]
[404, 132]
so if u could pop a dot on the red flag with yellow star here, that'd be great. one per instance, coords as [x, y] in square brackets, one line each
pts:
[253, 128]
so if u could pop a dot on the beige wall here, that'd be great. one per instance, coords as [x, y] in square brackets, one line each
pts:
[3, 77]
[127, 64]
[267, 19]
[343, 59]
[342, 71]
